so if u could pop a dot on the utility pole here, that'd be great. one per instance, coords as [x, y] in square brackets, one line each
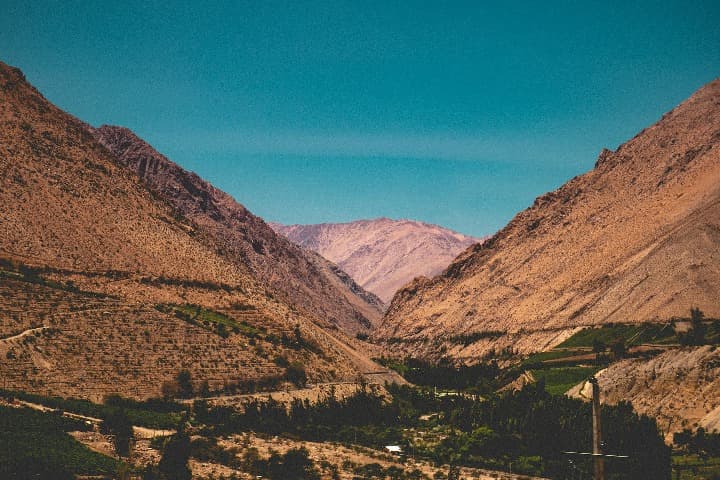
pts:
[597, 455]
[598, 460]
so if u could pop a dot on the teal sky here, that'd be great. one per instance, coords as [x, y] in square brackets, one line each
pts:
[456, 113]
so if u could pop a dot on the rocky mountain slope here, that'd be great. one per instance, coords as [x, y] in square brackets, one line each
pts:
[307, 280]
[381, 254]
[109, 286]
[635, 239]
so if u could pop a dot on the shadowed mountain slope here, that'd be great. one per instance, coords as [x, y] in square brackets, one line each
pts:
[381, 254]
[635, 239]
[305, 279]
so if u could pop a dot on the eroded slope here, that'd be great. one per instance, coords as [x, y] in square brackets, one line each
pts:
[90, 257]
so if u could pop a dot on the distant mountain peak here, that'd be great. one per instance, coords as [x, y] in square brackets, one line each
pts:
[381, 254]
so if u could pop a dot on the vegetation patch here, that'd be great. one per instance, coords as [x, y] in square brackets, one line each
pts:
[470, 338]
[537, 359]
[702, 332]
[24, 273]
[695, 467]
[153, 413]
[36, 445]
[479, 378]
[181, 282]
[631, 334]
[209, 319]
[527, 431]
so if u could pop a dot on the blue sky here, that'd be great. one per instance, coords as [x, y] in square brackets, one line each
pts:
[456, 113]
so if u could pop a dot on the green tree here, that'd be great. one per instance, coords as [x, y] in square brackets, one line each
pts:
[117, 424]
[618, 348]
[174, 462]
[169, 390]
[696, 334]
[296, 374]
[204, 390]
[184, 382]
[294, 465]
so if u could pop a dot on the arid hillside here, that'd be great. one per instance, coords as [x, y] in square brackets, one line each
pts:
[381, 254]
[305, 279]
[635, 239]
[109, 286]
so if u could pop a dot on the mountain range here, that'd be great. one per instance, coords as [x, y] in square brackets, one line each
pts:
[119, 269]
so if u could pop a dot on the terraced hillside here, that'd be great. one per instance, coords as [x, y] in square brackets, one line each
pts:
[83, 345]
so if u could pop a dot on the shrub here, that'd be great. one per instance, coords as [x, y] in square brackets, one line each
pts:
[296, 374]
[184, 382]
[696, 334]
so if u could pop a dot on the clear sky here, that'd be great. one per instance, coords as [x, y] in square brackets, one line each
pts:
[456, 113]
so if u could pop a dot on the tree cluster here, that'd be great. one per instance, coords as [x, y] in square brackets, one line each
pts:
[700, 442]
[527, 431]
[480, 378]
[695, 335]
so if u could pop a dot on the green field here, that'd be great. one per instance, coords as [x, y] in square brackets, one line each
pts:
[36, 445]
[540, 357]
[633, 334]
[562, 371]
[560, 380]
[694, 467]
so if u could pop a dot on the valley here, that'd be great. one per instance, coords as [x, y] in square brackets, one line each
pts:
[151, 327]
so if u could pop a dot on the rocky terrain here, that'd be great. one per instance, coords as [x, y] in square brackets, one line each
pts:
[679, 388]
[637, 238]
[116, 276]
[381, 254]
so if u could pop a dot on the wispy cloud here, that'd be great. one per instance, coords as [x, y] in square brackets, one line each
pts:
[418, 146]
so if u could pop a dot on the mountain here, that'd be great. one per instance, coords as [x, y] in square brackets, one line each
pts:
[307, 280]
[113, 281]
[382, 254]
[635, 239]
